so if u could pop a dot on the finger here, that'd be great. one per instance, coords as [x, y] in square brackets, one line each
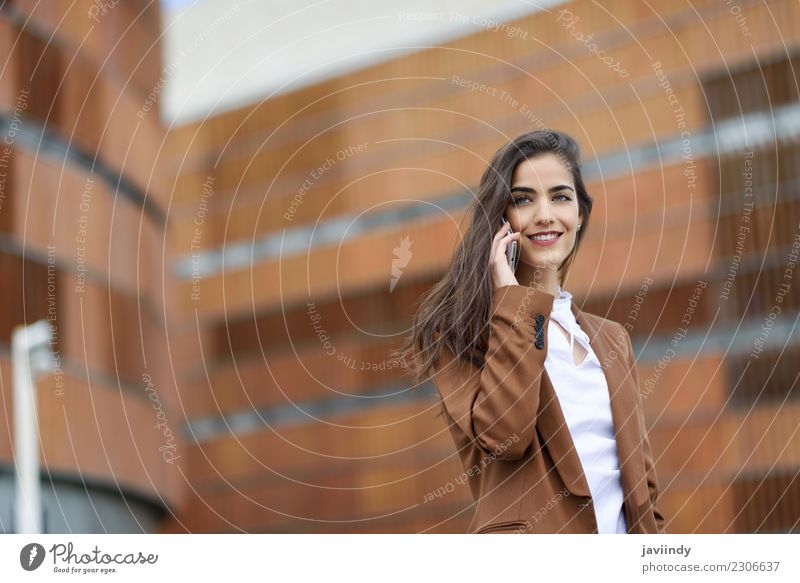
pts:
[501, 238]
[497, 237]
[503, 243]
[508, 237]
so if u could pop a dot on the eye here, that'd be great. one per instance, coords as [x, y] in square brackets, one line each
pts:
[521, 199]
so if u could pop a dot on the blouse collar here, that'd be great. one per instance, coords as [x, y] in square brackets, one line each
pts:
[562, 313]
[563, 299]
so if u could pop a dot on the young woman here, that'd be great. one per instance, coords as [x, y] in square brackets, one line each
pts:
[542, 399]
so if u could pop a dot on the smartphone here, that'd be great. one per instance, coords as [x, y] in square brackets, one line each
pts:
[512, 249]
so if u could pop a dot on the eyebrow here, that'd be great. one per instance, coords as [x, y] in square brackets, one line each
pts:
[533, 190]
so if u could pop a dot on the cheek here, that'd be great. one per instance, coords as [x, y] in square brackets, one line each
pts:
[517, 218]
[570, 219]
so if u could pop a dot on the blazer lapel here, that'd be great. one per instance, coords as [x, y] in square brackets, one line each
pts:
[611, 352]
[558, 440]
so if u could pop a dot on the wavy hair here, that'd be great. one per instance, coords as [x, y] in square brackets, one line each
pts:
[455, 312]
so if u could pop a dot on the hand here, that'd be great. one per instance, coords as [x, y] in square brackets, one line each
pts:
[498, 262]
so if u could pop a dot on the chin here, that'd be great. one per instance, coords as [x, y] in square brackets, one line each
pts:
[539, 254]
[539, 265]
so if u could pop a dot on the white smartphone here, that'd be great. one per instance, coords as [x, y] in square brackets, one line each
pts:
[512, 249]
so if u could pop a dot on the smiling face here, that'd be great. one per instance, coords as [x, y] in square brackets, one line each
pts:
[543, 200]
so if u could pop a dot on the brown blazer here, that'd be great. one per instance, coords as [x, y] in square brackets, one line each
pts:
[508, 427]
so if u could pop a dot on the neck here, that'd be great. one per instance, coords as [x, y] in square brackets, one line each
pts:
[540, 278]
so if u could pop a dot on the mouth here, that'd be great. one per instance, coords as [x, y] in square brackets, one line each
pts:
[545, 238]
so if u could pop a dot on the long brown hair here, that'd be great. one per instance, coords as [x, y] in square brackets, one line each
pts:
[455, 312]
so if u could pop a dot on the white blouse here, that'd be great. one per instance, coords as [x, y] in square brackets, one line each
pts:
[583, 394]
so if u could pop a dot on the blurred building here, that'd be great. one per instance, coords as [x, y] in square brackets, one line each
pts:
[245, 274]
[82, 225]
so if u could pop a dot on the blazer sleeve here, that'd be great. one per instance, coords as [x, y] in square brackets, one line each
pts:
[496, 405]
[650, 469]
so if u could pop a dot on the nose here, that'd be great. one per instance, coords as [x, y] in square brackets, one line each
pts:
[542, 213]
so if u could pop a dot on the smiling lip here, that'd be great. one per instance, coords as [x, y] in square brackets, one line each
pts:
[547, 242]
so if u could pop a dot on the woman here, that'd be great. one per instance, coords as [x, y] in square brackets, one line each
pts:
[542, 399]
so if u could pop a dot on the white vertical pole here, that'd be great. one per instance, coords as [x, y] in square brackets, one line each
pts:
[28, 494]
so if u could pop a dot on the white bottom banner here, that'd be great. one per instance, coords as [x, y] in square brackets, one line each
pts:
[393, 557]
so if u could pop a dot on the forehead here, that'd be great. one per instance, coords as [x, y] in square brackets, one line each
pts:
[545, 169]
